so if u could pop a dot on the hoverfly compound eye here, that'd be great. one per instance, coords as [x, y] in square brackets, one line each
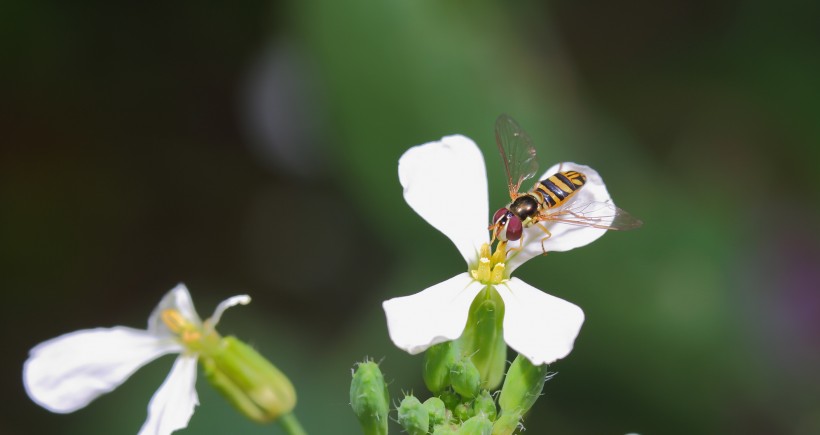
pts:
[502, 212]
[514, 228]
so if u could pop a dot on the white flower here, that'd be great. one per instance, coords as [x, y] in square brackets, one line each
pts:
[445, 182]
[66, 373]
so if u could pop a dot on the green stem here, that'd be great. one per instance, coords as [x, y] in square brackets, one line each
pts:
[291, 425]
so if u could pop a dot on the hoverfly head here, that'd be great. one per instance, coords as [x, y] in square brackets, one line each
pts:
[506, 225]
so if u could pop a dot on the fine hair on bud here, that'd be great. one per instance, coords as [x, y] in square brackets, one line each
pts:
[437, 362]
[436, 411]
[476, 425]
[465, 378]
[369, 398]
[484, 404]
[413, 416]
[522, 386]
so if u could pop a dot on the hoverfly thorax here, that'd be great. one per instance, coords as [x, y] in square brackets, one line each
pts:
[525, 206]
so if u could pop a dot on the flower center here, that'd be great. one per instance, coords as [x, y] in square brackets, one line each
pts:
[191, 335]
[491, 265]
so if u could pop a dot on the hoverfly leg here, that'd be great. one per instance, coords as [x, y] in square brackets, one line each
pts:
[549, 234]
[520, 246]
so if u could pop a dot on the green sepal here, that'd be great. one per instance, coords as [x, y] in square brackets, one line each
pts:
[437, 361]
[522, 386]
[369, 398]
[248, 380]
[483, 337]
[477, 425]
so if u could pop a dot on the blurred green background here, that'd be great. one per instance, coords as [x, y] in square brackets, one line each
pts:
[253, 147]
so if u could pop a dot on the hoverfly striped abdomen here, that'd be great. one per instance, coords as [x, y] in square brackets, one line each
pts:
[558, 188]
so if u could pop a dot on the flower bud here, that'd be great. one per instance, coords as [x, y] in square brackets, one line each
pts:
[522, 386]
[249, 381]
[437, 362]
[369, 398]
[477, 425]
[484, 405]
[483, 337]
[413, 416]
[465, 378]
[450, 398]
[507, 424]
[462, 412]
[444, 429]
[436, 411]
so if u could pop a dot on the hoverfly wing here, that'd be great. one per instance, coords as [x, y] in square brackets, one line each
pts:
[517, 152]
[603, 215]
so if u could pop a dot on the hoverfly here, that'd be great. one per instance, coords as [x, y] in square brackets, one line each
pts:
[551, 199]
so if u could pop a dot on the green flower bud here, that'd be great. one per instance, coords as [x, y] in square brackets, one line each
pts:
[450, 398]
[369, 398]
[413, 416]
[522, 387]
[247, 380]
[463, 412]
[437, 362]
[507, 424]
[465, 378]
[483, 337]
[436, 410]
[444, 429]
[478, 425]
[484, 405]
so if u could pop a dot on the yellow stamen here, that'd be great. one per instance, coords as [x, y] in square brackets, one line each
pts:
[491, 265]
[498, 273]
[485, 251]
[179, 325]
[483, 272]
[500, 254]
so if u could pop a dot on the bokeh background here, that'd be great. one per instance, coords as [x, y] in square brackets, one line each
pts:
[252, 147]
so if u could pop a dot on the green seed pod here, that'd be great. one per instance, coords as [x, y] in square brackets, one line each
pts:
[483, 337]
[465, 378]
[522, 386]
[450, 398]
[484, 405]
[463, 412]
[437, 361]
[507, 424]
[478, 425]
[436, 410]
[369, 398]
[413, 416]
[248, 380]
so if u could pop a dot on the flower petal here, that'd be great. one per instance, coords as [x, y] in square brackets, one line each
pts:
[173, 404]
[537, 325]
[178, 299]
[565, 236]
[224, 305]
[66, 373]
[445, 182]
[432, 316]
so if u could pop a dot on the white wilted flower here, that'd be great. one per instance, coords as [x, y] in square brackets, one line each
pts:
[446, 184]
[66, 373]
